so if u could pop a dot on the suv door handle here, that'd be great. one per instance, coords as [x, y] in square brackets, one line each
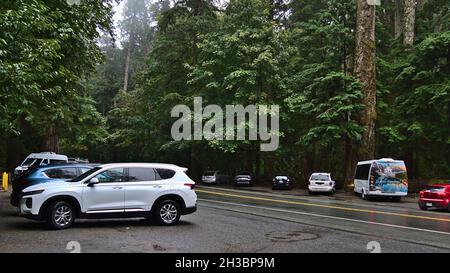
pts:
[117, 188]
[157, 186]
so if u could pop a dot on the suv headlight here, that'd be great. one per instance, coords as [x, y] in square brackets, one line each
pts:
[32, 192]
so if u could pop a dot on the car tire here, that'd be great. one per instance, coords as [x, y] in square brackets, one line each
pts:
[310, 192]
[60, 215]
[167, 213]
[423, 207]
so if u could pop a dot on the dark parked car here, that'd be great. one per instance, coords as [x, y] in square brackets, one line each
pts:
[215, 177]
[282, 182]
[44, 174]
[243, 178]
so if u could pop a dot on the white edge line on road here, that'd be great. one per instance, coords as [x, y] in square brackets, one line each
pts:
[326, 216]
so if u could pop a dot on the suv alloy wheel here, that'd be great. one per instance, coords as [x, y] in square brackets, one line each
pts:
[60, 215]
[167, 213]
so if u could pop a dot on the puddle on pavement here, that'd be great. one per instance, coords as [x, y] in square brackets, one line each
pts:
[290, 236]
[158, 248]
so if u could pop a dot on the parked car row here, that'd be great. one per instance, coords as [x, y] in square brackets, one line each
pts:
[60, 192]
[318, 182]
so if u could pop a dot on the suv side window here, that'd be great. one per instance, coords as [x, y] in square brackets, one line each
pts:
[111, 175]
[67, 173]
[64, 173]
[164, 174]
[83, 170]
[141, 174]
[53, 173]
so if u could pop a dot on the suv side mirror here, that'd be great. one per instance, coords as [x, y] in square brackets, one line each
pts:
[93, 181]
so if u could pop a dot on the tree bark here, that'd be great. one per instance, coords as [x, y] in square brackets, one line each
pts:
[51, 140]
[127, 69]
[409, 19]
[420, 4]
[398, 18]
[14, 151]
[127, 63]
[365, 73]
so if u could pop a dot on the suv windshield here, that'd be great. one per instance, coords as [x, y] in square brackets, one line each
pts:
[320, 177]
[84, 175]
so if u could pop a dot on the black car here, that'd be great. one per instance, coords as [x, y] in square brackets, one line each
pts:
[44, 174]
[243, 178]
[282, 182]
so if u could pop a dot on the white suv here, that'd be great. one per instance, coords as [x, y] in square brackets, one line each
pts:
[321, 182]
[162, 192]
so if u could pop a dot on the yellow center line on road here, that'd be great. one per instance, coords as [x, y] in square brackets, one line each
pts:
[322, 206]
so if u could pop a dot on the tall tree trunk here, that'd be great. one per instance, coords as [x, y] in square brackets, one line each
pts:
[269, 162]
[257, 159]
[420, 4]
[409, 7]
[14, 151]
[398, 18]
[195, 162]
[365, 73]
[51, 140]
[127, 63]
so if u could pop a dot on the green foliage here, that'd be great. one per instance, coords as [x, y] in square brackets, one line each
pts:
[296, 54]
[46, 49]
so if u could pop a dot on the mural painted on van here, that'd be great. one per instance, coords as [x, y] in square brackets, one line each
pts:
[389, 177]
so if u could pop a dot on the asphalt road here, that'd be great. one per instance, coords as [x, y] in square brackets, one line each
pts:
[231, 220]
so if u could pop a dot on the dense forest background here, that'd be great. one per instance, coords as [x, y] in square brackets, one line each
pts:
[75, 83]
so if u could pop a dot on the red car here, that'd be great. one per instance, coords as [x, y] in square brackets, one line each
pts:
[435, 196]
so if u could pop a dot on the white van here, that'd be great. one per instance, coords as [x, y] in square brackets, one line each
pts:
[381, 177]
[38, 159]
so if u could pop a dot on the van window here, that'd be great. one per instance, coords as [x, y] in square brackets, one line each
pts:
[141, 174]
[164, 174]
[28, 161]
[362, 172]
[32, 162]
[57, 161]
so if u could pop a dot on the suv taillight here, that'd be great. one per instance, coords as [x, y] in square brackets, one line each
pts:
[191, 185]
